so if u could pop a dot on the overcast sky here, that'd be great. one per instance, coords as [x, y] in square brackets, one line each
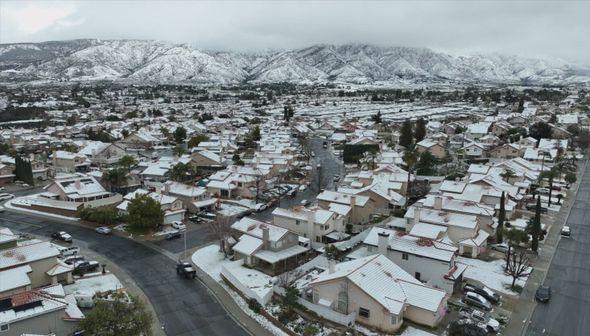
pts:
[531, 28]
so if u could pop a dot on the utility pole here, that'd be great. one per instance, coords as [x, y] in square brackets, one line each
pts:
[319, 167]
[184, 244]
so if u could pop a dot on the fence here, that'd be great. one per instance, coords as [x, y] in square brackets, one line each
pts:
[263, 300]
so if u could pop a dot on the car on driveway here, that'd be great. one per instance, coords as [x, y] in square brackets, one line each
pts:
[476, 300]
[543, 294]
[103, 230]
[179, 225]
[565, 232]
[533, 207]
[487, 323]
[484, 291]
[85, 267]
[63, 236]
[502, 247]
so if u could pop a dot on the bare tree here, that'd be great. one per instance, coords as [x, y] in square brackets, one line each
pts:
[220, 230]
[518, 265]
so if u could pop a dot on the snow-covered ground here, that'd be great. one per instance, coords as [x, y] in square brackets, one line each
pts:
[95, 284]
[210, 260]
[229, 210]
[165, 231]
[490, 274]
[26, 201]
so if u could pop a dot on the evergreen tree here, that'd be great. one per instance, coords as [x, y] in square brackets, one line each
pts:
[420, 131]
[179, 134]
[501, 219]
[405, 138]
[536, 229]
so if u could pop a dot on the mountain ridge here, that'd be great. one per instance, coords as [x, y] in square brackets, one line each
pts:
[155, 61]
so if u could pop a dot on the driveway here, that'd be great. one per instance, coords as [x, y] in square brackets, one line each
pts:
[183, 307]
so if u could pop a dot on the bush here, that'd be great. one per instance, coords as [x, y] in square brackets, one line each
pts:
[353, 153]
[310, 330]
[102, 215]
[254, 305]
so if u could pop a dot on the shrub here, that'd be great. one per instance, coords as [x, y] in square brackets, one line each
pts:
[254, 305]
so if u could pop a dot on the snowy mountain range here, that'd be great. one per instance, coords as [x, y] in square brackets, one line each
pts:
[161, 62]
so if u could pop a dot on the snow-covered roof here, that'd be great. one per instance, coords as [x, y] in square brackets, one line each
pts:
[15, 278]
[254, 228]
[248, 245]
[86, 186]
[21, 255]
[386, 283]
[342, 198]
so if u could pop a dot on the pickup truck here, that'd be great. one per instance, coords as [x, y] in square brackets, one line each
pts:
[85, 267]
[186, 269]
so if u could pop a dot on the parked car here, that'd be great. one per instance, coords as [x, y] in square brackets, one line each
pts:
[259, 207]
[502, 247]
[533, 207]
[2, 188]
[62, 235]
[186, 269]
[542, 191]
[85, 267]
[65, 251]
[336, 178]
[179, 225]
[74, 259]
[173, 235]
[103, 230]
[6, 196]
[484, 291]
[565, 231]
[476, 300]
[543, 294]
[487, 323]
[305, 202]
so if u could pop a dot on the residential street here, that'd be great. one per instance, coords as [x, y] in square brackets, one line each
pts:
[184, 307]
[569, 276]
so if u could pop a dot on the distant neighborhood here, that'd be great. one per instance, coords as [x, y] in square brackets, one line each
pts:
[316, 210]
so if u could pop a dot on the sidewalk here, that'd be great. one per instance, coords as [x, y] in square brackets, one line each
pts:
[525, 306]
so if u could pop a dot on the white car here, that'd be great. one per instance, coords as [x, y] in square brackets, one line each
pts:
[179, 225]
[543, 191]
[103, 230]
[502, 247]
[6, 196]
[260, 207]
[565, 232]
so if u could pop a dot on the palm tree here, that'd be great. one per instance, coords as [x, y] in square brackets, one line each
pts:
[411, 159]
[115, 178]
[507, 175]
[549, 174]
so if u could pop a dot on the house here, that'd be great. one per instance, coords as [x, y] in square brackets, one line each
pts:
[379, 292]
[194, 199]
[319, 225]
[102, 154]
[506, 151]
[361, 206]
[473, 150]
[478, 130]
[6, 174]
[67, 162]
[141, 140]
[434, 147]
[501, 128]
[80, 190]
[172, 206]
[268, 248]
[206, 160]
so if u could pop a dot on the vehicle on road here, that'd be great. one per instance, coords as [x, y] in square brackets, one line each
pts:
[476, 300]
[325, 145]
[543, 294]
[103, 230]
[484, 291]
[6, 196]
[502, 247]
[62, 236]
[179, 225]
[566, 232]
[305, 202]
[336, 178]
[186, 269]
[173, 235]
[85, 267]
[259, 207]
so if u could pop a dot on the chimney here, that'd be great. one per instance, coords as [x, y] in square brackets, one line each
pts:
[331, 266]
[265, 236]
[310, 214]
[167, 188]
[77, 184]
[438, 202]
[417, 211]
[382, 242]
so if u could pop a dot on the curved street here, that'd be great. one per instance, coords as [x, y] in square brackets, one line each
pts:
[183, 307]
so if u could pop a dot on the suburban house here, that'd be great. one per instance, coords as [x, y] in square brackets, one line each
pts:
[206, 160]
[268, 248]
[194, 199]
[379, 292]
[141, 140]
[102, 154]
[434, 147]
[361, 206]
[319, 225]
[67, 162]
[172, 206]
[6, 174]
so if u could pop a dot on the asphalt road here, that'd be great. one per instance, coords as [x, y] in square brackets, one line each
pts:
[183, 307]
[568, 312]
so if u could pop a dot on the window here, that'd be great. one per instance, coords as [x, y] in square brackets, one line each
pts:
[417, 276]
[363, 312]
[4, 327]
[394, 319]
[342, 306]
[404, 256]
[297, 222]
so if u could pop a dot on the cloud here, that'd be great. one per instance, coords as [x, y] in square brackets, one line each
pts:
[28, 18]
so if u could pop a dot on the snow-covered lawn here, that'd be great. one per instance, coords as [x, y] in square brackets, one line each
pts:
[95, 284]
[490, 274]
[210, 260]
[228, 210]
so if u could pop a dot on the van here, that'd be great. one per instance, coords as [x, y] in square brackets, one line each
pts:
[67, 251]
